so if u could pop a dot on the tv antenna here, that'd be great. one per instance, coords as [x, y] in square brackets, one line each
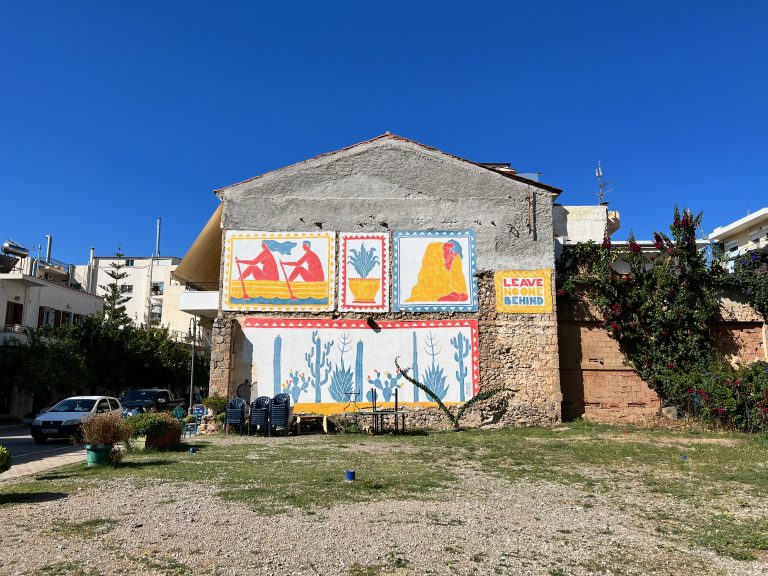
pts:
[604, 186]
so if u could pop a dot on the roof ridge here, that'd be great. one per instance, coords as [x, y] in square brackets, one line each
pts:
[390, 135]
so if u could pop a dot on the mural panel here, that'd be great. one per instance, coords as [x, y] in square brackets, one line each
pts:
[524, 291]
[434, 271]
[364, 272]
[331, 364]
[279, 271]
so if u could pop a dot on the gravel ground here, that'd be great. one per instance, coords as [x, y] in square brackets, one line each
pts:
[482, 525]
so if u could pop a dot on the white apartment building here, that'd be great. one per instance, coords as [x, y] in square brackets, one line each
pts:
[743, 235]
[153, 291]
[36, 292]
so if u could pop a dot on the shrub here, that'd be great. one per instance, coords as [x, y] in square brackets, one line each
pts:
[153, 424]
[5, 459]
[105, 429]
[215, 402]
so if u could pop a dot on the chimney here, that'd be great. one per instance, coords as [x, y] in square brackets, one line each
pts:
[89, 287]
[48, 249]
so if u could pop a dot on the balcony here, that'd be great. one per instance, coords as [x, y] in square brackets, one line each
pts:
[22, 279]
[200, 300]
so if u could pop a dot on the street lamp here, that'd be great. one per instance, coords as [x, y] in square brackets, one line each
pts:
[193, 325]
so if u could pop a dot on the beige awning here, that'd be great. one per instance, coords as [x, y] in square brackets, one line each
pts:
[202, 262]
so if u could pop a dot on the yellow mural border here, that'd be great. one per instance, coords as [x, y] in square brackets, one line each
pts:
[545, 273]
[233, 235]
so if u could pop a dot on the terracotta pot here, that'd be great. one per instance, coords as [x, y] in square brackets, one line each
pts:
[364, 289]
[170, 438]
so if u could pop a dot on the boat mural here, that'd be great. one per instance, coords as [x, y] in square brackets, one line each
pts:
[279, 271]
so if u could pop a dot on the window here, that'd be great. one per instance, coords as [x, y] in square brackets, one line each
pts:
[14, 312]
[103, 406]
[126, 288]
[46, 316]
[130, 262]
[113, 403]
[157, 288]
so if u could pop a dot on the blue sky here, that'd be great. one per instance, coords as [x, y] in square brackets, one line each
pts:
[115, 113]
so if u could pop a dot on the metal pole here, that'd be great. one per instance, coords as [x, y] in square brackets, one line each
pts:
[193, 331]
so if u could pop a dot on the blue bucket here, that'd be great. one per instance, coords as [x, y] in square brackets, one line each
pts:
[350, 475]
[192, 450]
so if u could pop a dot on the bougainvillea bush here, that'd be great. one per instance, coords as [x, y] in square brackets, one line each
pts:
[750, 276]
[659, 308]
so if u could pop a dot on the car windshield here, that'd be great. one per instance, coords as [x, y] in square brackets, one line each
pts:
[74, 405]
[133, 395]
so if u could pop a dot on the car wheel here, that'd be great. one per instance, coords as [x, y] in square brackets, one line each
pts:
[39, 439]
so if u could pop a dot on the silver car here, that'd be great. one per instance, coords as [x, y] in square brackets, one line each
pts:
[64, 419]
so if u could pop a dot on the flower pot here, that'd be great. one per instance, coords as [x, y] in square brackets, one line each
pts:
[364, 289]
[170, 438]
[97, 454]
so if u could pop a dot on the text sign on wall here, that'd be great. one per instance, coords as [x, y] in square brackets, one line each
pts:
[524, 291]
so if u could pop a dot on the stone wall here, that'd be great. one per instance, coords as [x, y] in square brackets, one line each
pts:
[596, 380]
[517, 352]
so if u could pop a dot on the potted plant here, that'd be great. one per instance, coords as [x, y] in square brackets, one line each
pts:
[100, 432]
[160, 429]
[364, 289]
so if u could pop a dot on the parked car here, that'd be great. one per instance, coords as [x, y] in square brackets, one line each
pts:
[149, 400]
[64, 419]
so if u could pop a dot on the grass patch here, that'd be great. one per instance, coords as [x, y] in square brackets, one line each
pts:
[739, 540]
[86, 529]
[63, 569]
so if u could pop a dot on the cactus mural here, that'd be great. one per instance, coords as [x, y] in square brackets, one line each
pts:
[359, 370]
[295, 384]
[434, 376]
[391, 381]
[319, 364]
[323, 360]
[341, 379]
[461, 344]
[276, 371]
[415, 366]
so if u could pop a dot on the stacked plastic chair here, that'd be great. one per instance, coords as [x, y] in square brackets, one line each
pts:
[235, 414]
[279, 413]
[258, 421]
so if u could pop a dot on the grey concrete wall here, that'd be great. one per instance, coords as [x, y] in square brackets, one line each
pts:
[391, 184]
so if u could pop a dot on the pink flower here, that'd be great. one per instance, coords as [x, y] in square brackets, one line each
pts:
[720, 411]
[606, 245]
[671, 365]
[634, 247]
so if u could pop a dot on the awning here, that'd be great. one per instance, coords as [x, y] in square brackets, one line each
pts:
[202, 262]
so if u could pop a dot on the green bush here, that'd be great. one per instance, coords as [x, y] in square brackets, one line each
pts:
[153, 424]
[5, 459]
[216, 403]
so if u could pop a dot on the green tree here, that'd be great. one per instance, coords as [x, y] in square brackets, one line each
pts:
[115, 298]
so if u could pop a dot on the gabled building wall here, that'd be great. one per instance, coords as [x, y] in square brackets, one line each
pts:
[391, 184]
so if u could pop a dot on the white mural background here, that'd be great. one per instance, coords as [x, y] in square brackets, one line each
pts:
[324, 361]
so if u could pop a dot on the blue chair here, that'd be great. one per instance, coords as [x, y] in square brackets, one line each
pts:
[258, 421]
[235, 414]
[190, 428]
[279, 413]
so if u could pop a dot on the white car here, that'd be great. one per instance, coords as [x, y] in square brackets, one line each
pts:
[64, 419]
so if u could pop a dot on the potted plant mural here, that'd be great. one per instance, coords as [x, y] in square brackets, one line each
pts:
[100, 433]
[364, 289]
